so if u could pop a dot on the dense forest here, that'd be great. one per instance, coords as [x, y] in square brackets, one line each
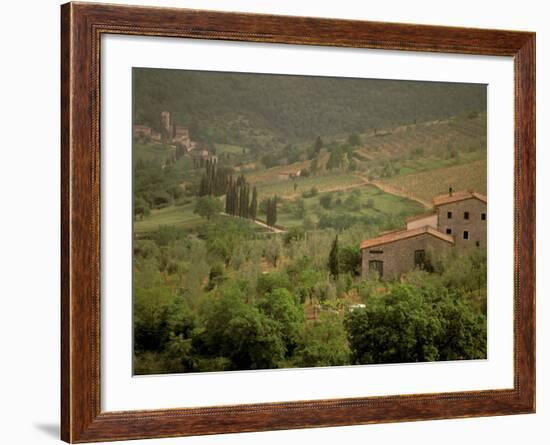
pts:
[261, 109]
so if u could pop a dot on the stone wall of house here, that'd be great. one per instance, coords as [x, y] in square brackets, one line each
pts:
[451, 217]
[398, 256]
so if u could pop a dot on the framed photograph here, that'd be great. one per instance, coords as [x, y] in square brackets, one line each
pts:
[274, 222]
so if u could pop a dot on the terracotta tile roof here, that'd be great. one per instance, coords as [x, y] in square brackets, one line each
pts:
[404, 234]
[421, 216]
[458, 196]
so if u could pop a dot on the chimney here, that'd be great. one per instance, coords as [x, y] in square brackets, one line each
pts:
[450, 191]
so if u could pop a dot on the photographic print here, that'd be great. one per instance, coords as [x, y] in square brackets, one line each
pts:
[284, 221]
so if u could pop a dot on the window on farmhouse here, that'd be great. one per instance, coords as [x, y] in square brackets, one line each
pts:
[466, 235]
[449, 231]
[483, 216]
[377, 266]
[420, 258]
[466, 215]
[449, 215]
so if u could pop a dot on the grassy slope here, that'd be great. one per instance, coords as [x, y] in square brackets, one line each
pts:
[182, 216]
[176, 216]
[179, 216]
[330, 182]
[464, 135]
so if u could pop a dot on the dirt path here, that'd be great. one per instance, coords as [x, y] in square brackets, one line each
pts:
[258, 222]
[333, 189]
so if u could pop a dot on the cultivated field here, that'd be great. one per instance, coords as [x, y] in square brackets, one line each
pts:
[428, 145]
[427, 184]
[366, 204]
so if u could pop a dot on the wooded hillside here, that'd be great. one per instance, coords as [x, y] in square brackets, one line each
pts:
[259, 110]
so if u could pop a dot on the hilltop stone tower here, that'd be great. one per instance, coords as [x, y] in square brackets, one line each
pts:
[166, 121]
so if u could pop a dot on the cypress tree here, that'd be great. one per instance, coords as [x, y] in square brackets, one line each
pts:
[228, 198]
[234, 202]
[333, 260]
[203, 187]
[318, 145]
[243, 205]
[271, 213]
[246, 210]
[253, 204]
[268, 212]
[274, 211]
[236, 197]
[233, 197]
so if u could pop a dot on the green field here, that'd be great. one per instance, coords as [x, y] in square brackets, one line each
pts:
[365, 204]
[181, 217]
[323, 183]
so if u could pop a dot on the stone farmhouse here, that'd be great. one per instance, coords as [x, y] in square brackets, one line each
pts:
[457, 221]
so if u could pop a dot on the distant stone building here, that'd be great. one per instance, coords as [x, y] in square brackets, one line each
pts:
[142, 130]
[458, 220]
[181, 136]
[169, 133]
[166, 122]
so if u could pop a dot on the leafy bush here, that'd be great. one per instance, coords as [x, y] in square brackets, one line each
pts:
[323, 343]
[412, 324]
[326, 201]
[313, 191]
[240, 332]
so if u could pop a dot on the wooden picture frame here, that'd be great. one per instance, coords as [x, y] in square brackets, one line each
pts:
[82, 26]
